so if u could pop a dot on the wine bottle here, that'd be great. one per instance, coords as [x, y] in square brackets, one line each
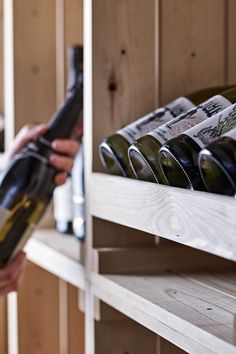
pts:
[62, 207]
[179, 156]
[78, 196]
[63, 195]
[114, 149]
[143, 155]
[217, 164]
[27, 184]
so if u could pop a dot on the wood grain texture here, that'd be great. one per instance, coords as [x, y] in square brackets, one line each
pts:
[3, 325]
[64, 244]
[222, 281]
[195, 219]
[192, 46]
[123, 65]
[155, 260]
[56, 261]
[123, 336]
[105, 235]
[194, 318]
[38, 311]
[34, 61]
[76, 331]
[73, 17]
[230, 41]
[165, 347]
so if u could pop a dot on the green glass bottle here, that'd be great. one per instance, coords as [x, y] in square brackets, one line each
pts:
[179, 156]
[143, 154]
[114, 149]
[217, 164]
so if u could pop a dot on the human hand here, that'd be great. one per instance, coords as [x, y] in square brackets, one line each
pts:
[11, 274]
[67, 147]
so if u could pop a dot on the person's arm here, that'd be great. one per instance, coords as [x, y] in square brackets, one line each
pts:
[11, 275]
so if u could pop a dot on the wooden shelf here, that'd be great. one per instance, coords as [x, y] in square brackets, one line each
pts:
[194, 219]
[195, 311]
[58, 254]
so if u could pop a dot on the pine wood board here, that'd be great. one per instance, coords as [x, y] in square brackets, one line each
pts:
[38, 312]
[123, 65]
[58, 255]
[76, 328]
[201, 220]
[3, 325]
[34, 69]
[155, 260]
[192, 46]
[194, 318]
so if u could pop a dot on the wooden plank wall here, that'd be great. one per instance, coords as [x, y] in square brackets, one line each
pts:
[38, 312]
[43, 30]
[3, 325]
[123, 65]
[3, 300]
[153, 51]
[34, 61]
[192, 46]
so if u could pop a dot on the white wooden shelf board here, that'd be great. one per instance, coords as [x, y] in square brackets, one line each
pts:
[198, 219]
[194, 317]
[57, 254]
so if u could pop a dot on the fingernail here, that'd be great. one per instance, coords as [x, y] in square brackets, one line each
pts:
[52, 158]
[54, 144]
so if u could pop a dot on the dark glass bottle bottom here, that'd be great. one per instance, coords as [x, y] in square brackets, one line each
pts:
[141, 167]
[215, 177]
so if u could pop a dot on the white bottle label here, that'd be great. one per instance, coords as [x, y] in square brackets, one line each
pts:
[187, 120]
[153, 120]
[62, 202]
[231, 134]
[213, 127]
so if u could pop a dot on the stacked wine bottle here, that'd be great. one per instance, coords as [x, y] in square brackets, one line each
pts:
[189, 143]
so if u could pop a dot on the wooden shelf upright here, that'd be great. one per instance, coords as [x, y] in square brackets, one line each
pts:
[140, 55]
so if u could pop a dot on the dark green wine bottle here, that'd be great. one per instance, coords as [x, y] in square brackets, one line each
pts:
[27, 184]
[179, 156]
[143, 155]
[114, 149]
[217, 164]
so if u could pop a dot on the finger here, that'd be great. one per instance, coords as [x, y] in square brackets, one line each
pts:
[8, 289]
[78, 130]
[67, 146]
[62, 162]
[30, 132]
[26, 134]
[12, 270]
[60, 179]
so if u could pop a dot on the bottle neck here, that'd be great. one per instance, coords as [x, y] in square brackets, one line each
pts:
[61, 125]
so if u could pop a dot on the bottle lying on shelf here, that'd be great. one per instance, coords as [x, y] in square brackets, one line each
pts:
[143, 154]
[114, 149]
[27, 184]
[179, 156]
[217, 164]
